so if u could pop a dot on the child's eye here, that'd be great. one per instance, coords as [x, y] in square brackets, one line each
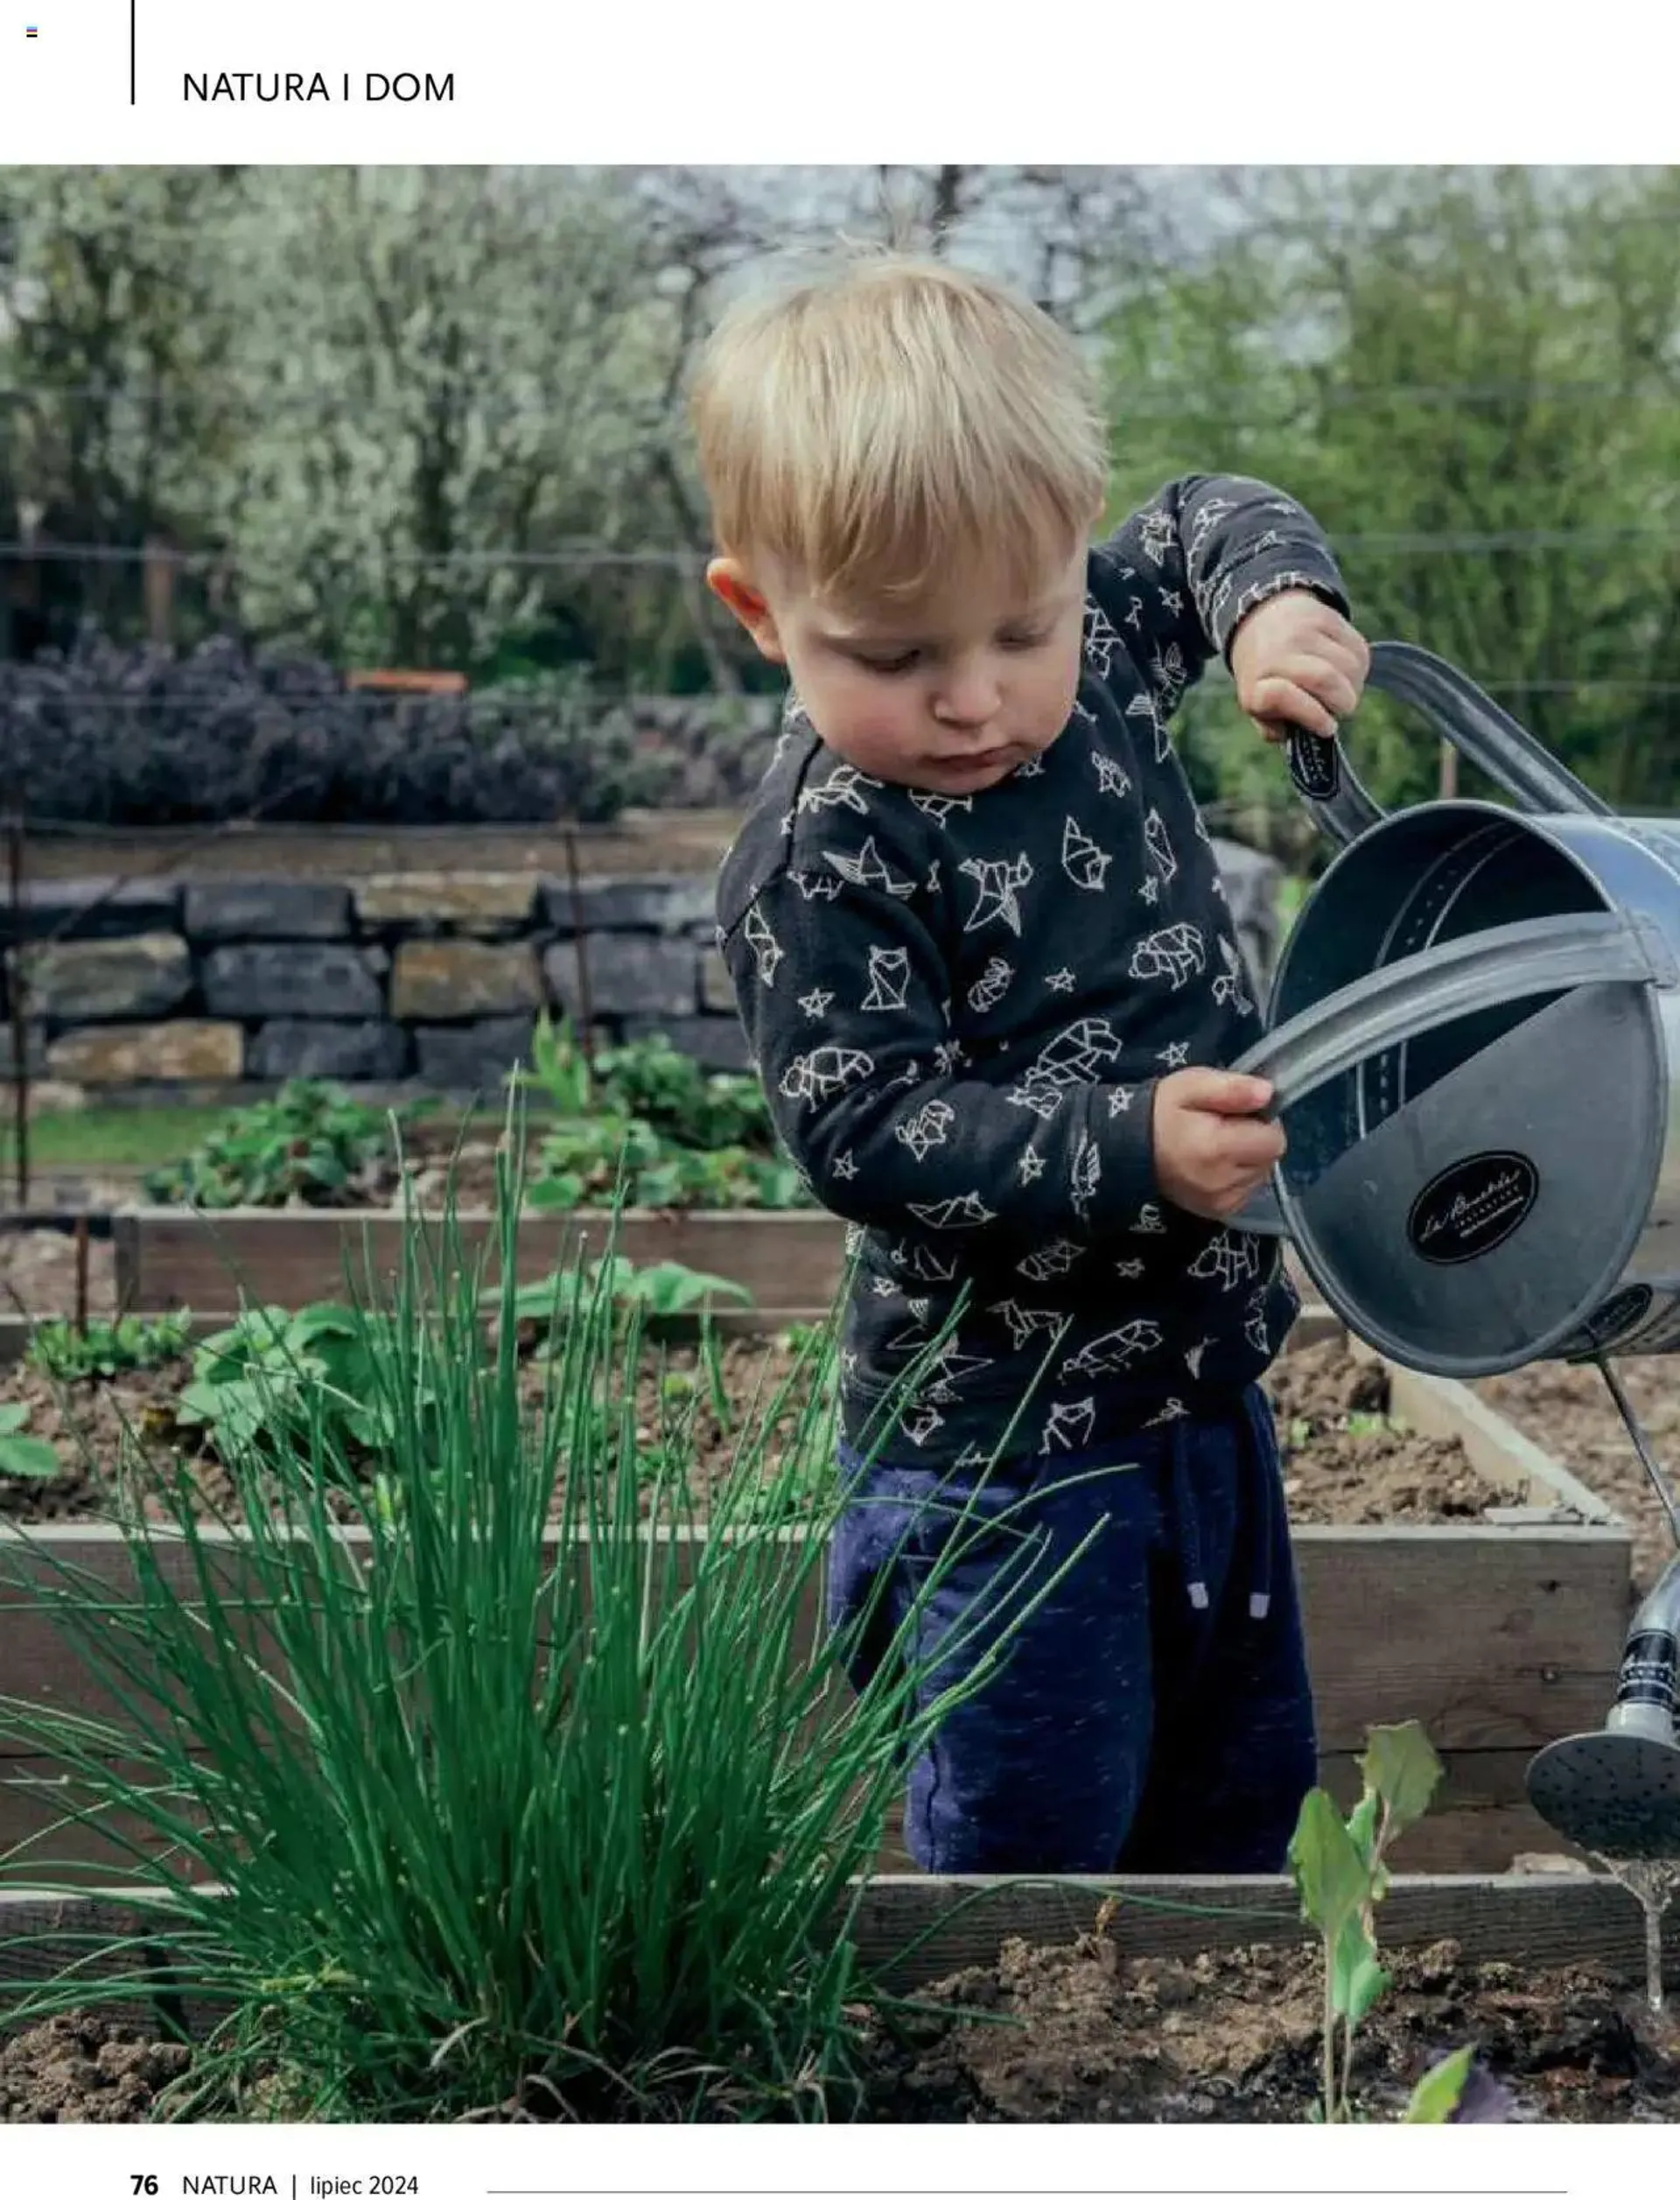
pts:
[900, 663]
[1024, 642]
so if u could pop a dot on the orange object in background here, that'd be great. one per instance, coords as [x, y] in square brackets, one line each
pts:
[410, 683]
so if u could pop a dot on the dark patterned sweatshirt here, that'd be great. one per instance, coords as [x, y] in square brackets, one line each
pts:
[961, 1006]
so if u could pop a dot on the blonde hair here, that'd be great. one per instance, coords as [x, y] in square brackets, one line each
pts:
[863, 425]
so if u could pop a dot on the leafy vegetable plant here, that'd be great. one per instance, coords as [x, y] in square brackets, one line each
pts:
[653, 1080]
[106, 1348]
[311, 1142]
[273, 1376]
[680, 1138]
[1341, 1876]
[662, 1287]
[27, 1457]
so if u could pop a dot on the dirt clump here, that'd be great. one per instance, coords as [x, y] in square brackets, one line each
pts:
[85, 2069]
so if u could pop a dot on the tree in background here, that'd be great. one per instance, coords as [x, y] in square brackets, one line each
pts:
[436, 415]
[1470, 377]
[116, 328]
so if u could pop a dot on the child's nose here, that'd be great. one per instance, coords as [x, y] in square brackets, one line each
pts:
[967, 698]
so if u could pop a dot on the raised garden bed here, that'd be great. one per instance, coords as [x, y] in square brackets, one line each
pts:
[1184, 2001]
[1489, 1601]
[167, 1258]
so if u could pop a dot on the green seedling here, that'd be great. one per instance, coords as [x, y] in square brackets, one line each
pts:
[653, 1082]
[1341, 1875]
[558, 1067]
[678, 1136]
[26, 1458]
[1437, 2095]
[107, 1349]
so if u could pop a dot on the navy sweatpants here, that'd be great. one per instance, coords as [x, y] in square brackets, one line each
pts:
[1153, 1713]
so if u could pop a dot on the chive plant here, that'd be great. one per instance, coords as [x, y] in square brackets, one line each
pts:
[481, 1802]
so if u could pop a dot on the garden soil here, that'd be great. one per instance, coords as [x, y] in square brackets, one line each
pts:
[96, 1425]
[1087, 2034]
[1570, 1412]
[1344, 1464]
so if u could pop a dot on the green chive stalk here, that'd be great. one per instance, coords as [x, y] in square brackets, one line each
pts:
[449, 1800]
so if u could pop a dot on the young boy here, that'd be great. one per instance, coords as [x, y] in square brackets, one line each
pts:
[982, 959]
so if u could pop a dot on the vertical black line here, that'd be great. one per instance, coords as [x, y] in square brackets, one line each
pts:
[131, 8]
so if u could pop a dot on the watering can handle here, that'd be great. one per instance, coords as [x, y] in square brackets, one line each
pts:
[1485, 735]
[1401, 1000]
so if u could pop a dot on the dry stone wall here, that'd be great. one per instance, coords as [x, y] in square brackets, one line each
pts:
[435, 978]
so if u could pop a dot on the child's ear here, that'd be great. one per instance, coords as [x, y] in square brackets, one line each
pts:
[728, 580]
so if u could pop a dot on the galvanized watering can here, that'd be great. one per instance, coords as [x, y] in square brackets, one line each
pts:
[1475, 1048]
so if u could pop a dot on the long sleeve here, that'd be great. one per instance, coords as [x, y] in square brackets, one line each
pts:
[842, 989]
[1177, 578]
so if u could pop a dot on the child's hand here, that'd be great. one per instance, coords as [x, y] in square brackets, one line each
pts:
[1211, 1153]
[1297, 662]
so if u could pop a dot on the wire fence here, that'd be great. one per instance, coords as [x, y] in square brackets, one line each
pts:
[1229, 403]
[587, 557]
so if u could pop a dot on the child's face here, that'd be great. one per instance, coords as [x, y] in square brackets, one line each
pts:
[950, 695]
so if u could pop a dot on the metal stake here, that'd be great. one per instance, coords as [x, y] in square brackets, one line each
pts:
[20, 987]
[1630, 1419]
[580, 948]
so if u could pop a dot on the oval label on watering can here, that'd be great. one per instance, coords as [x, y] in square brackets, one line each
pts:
[1472, 1207]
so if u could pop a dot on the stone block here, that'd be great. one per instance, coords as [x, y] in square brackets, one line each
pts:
[717, 993]
[438, 980]
[473, 1058]
[47, 1095]
[630, 974]
[261, 980]
[630, 905]
[72, 981]
[98, 908]
[716, 1042]
[184, 1049]
[486, 904]
[301, 1047]
[267, 909]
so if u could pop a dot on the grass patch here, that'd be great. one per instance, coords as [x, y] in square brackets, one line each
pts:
[140, 1138]
[96, 1137]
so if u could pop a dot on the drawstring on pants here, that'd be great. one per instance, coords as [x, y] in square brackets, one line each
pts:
[1184, 1504]
[1266, 1497]
[1262, 1482]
